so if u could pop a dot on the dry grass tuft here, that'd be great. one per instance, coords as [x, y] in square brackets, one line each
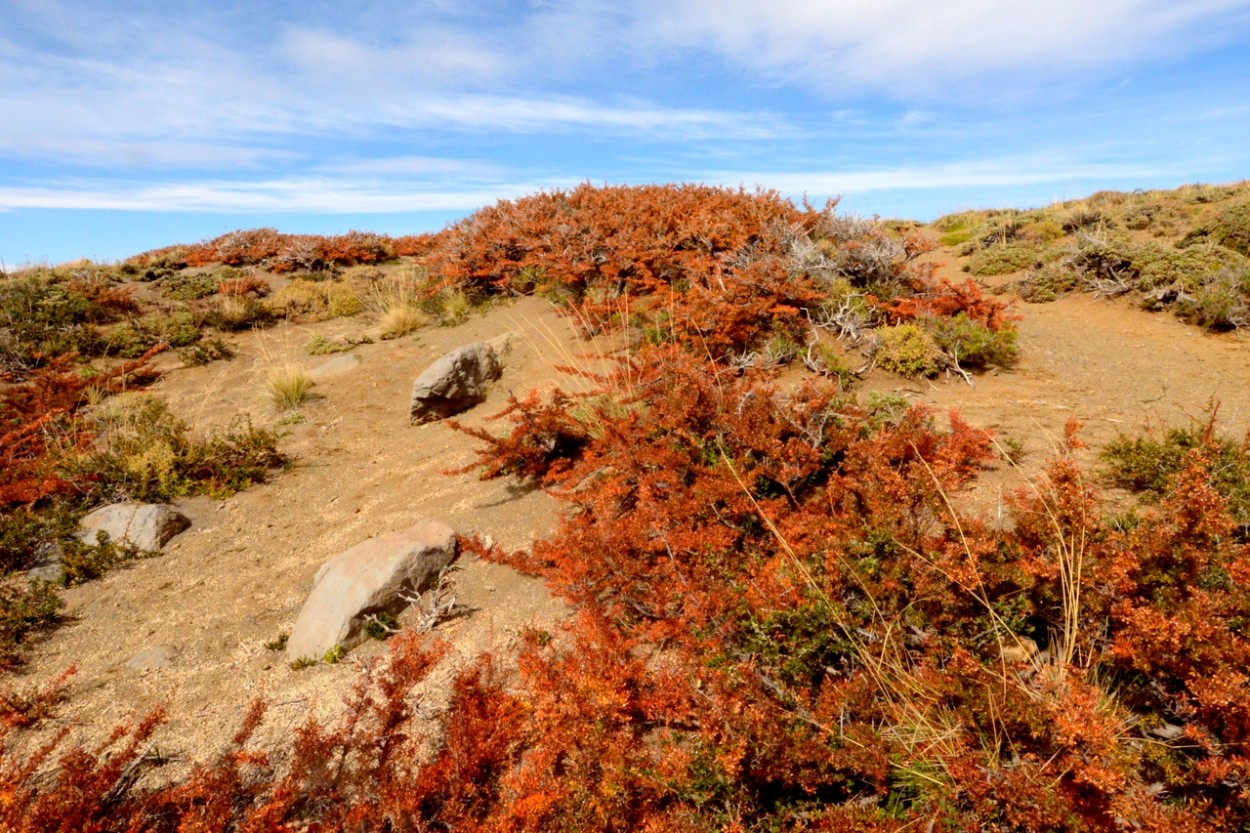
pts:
[289, 387]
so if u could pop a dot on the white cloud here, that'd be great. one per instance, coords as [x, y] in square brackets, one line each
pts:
[987, 173]
[311, 195]
[414, 166]
[353, 193]
[907, 47]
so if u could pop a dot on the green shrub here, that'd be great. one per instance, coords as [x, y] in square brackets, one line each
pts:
[145, 453]
[25, 536]
[82, 562]
[310, 300]
[1047, 283]
[1149, 465]
[909, 350]
[972, 345]
[189, 286]
[134, 337]
[46, 314]
[319, 345]
[1185, 268]
[1232, 228]
[1223, 303]
[24, 610]
[999, 260]
[205, 351]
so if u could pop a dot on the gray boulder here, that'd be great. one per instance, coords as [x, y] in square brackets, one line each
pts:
[370, 578]
[455, 382]
[148, 526]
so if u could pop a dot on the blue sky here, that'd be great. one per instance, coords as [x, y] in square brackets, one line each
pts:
[129, 125]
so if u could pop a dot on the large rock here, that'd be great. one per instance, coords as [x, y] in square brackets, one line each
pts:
[370, 578]
[455, 382]
[148, 526]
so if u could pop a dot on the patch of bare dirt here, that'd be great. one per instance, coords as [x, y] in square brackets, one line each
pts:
[239, 576]
[1112, 366]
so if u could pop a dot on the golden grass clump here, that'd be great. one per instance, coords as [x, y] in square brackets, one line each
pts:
[289, 387]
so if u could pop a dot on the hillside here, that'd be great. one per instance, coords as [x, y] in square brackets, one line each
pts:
[842, 524]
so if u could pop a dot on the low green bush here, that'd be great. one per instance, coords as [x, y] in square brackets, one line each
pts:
[971, 345]
[145, 453]
[23, 611]
[189, 286]
[1000, 260]
[1047, 283]
[1222, 303]
[908, 350]
[1149, 465]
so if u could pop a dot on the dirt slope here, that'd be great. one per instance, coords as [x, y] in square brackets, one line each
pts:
[238, 578]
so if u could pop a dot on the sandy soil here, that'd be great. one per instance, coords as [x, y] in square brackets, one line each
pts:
[238, 578]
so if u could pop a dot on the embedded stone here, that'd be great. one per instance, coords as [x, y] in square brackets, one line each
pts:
[148, 526]
[375, 576]
[455, 382]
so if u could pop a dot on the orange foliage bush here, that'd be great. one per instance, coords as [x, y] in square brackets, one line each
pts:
[39, 417]
[250, 286]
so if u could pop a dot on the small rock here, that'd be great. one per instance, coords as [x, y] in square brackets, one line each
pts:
[50, 565]
[370, 578]
[148, 526]
[335, 366]
[455, 382]
[152, 659]
[1168, 731]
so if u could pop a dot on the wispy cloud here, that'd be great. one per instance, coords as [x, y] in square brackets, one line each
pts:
[352, 192]
[991, 173]
[928, 47]
[409, 166]
[295, 195]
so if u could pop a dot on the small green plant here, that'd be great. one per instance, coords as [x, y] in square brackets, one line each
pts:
[1223, 303]
[289, 387]
[1012, 449]
[333, 655]
[826, 360]
[205, 352]
[278, 643]
[972, 345]
[144, 452]
[24, 611]
[302, 663]
[189, 286]
[885, 409]
[908, 350]
[1001, 260]
[1047, 283]
[309, 300]
[381, 625]
[319, 345]
[83, 562]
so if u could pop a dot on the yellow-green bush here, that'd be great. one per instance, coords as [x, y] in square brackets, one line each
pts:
[909, 350]
[1000, 260]
[316, 300]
